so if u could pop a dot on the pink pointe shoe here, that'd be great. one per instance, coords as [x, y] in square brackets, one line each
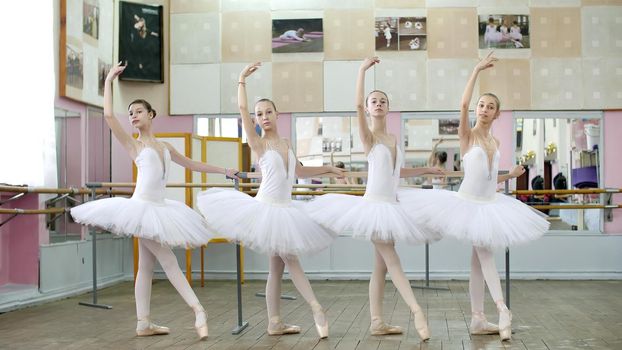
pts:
[145, 328]
[481, 326]
[318, 316]
[200, 323]
[379, 327]
[421, 324]
[277, 327]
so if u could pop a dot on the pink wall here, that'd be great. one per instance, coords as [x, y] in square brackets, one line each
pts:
[503, 130]
[613, 164]
[19, 243]
[284, 125]
[394, 124]
[4, 249]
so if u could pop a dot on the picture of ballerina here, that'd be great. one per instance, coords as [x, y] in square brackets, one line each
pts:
[297, 35]
[503, 31]
[412, 33]
[140, 42]
[385, 33]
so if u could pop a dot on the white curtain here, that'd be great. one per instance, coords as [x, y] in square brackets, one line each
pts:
[27, 140]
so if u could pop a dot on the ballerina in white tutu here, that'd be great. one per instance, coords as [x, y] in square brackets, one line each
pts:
[379, 216]
[158, 222]
[477, 213]
[271, 222]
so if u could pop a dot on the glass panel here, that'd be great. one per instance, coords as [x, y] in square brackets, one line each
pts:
[561, 152]
[429, 138]
[329, 138]
[69, 168]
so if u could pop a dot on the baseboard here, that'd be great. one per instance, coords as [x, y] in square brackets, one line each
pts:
[16, 301]
[436, 275]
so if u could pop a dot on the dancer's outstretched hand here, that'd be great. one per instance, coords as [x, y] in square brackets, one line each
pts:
[435, 171]
[486, 62]
[115, 71]
[517, 171]
[231, 173]
[369, 62]
[248, 70]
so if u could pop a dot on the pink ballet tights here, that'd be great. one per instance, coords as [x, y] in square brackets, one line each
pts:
[483, 270]
[149, 251]
[297, 275]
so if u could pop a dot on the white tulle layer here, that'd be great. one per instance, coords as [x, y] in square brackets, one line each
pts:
[281, 228]
[500, 222]
[170, 222]
[369, 219]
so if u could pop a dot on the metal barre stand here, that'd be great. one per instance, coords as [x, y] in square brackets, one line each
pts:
[241, 323]
[92, 187]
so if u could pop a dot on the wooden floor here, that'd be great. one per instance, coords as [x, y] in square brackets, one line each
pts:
[547, 315]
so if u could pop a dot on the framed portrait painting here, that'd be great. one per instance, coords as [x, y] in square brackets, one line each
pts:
[140, 42]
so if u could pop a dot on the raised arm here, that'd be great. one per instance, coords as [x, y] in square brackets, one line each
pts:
[254, 140]
[198, 166]
[364, 132]
[127, 141]
[464, 129]
[432, 157]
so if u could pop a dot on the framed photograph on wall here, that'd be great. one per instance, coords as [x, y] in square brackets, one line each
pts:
[385, 33]
[504, 31]
[85, 49]
[140, 42]
[297, 35]
[412, 33]
[448, 126]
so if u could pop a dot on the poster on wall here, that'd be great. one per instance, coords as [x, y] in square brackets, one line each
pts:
[297, 35]
[400, 33]
[503, 31]
[140, 42]
[85, 49]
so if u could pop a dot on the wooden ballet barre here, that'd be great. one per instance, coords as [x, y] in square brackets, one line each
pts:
[578, 206]
[577, 191]
[34, 211]
[46, 190]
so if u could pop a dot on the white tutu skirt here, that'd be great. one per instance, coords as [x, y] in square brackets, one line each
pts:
[373, 220]
[501, 222]
[269, 228]
[169, 222]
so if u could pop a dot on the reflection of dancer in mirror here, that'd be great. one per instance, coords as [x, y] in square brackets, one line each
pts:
[158, 222]
[437, 159]
[341, 165]
[271, 222]
[478, 213]
[379, 216]
[295, 34]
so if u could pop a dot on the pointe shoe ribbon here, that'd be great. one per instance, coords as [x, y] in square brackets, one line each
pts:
[146, 328]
